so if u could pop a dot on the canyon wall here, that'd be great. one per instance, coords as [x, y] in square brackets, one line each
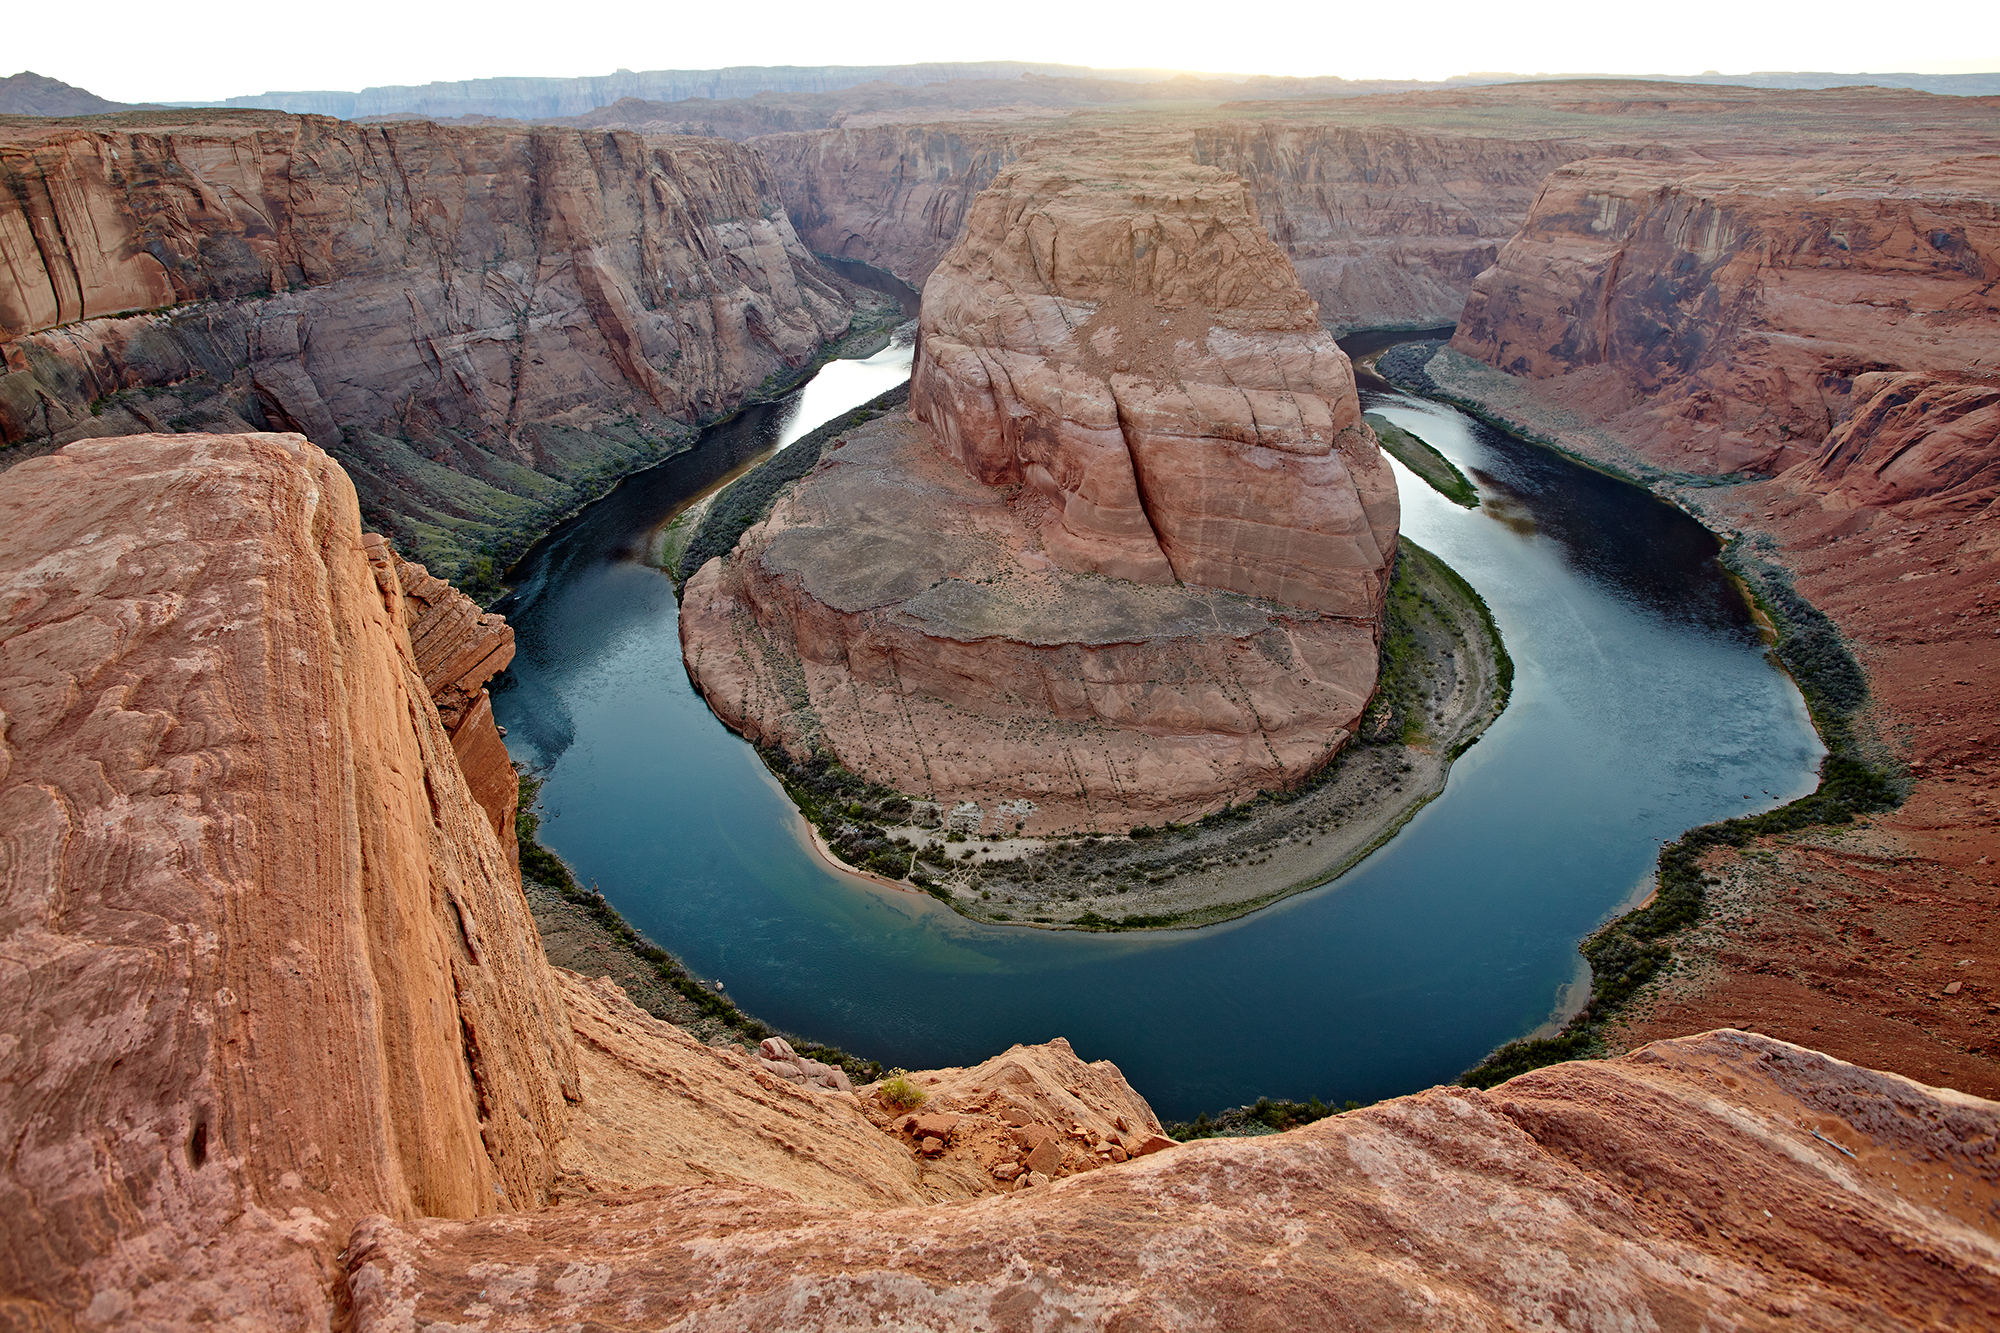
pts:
[1125, 559]
[266, 959]
[1721, 318]
[482, 324]
[1384, 225]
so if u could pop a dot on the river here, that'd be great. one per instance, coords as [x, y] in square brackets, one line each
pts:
[1643, 704]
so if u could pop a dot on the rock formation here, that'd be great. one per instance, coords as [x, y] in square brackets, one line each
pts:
[267, 965]
[480, 323]
[282, 1050]
[457, 650]
[1145, 426]
[1719, 318]
[1384, 225]
[1727, 1181]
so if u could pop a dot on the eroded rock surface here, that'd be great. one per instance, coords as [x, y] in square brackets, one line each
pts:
[458, 649]
[1725, 1181]
[907, 619]
[267, 965]
[1723, 319]
[477, 321]
[1127, 562]
[1120, 337]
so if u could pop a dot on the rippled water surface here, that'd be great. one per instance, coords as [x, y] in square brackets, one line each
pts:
[1643, 705]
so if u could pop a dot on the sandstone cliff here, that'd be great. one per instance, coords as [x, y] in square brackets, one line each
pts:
[482, 324]
[1145, 425]
[1719, 318]
[1384, 224]
[267, 966]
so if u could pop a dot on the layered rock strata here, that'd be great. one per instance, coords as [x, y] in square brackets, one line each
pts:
[1727, 1181]
[908, 620]
[1725, 319]
[458, 649]
[1128, 559]
[480, 322]
[268, 968]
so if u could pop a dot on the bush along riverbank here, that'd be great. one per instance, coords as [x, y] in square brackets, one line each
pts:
[1439, 472]
[1443, 677]
[1633, 949]
[584, 932]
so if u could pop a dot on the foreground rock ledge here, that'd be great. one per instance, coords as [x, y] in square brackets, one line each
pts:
[281, 1049]
[1129, 562]
[1724, 1181]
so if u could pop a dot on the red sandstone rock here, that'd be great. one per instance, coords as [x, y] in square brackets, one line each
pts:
[1680, 1185]
[902, 616]
[266, 961]
[1123, 338]
[1910, 437]
[1133, 385]
[1735, 309]
[411, 294]
[458, 649]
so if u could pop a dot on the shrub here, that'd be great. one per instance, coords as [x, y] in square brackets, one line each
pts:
[899, 1092]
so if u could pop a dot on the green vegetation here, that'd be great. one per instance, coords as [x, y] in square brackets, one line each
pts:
[899, 1092]
[1266, 1116]
[544, 867]
[1633, 949]
[748, 500]
[1420, 458]
[1396, 713]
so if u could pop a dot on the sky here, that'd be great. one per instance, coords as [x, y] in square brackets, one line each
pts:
[131, 52]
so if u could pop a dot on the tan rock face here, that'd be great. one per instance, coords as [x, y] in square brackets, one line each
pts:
[266, 960]
[1384, 224]
[909, 620]
[1123, 339]
[1569, 1194]
[1733, 309]
[458, 649]
[410, 295]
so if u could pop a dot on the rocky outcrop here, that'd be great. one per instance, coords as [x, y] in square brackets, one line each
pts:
[1128, 561]
[1820, 1195]
[1120, 337]
[457, 650]
[1911, 436]
[267, 967]
[480, 323]
[1720, 319]
[908, 620]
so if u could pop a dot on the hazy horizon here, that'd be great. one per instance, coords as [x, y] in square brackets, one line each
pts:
[376, 44]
